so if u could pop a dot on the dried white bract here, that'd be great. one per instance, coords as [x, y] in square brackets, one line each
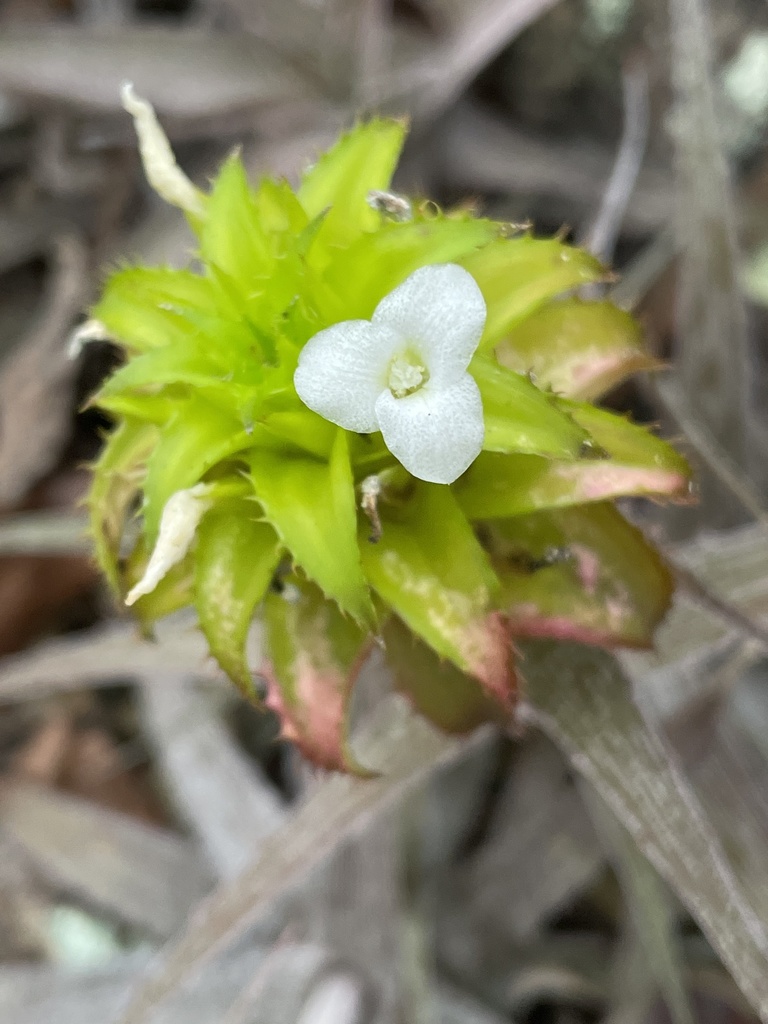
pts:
[404, 372]
[163, 173]
[181, 517]
[89, 330]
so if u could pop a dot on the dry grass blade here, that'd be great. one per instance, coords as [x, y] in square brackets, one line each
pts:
[31, 995]
[712, 353]
[405, 748]
[633, 990]
[580, 698]
[650, 908]
[44, 533]
[603, 234]
[147, 877]
[483, 30]
[708, 448]
[458, 1008]
[733, 567]
[483, 151]
[186, 74]
[35, 395]
[541, 850]
[223, 796]
[99, 656]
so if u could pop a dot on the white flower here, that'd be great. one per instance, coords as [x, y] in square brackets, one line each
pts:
[181, 517]
[404, 372]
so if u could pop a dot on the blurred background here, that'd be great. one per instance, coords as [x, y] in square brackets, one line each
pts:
[134, 782]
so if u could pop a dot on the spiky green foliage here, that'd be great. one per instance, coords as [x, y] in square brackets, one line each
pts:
[525, 543]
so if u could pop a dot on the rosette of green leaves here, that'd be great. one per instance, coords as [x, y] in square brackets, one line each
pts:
[526, 542]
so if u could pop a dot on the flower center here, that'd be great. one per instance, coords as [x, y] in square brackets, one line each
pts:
[406, 374]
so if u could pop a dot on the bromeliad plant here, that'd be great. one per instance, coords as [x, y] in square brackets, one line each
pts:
[369, 421]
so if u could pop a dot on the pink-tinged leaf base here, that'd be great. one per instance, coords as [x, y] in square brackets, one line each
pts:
[577, 349]
[314, 655]
[639, 463]
[316, 721]
[594, 377]
[582, 574]
[487, 653]
[602, 480]
[527, 622]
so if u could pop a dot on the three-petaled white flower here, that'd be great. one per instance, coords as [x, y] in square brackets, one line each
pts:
[404, 372]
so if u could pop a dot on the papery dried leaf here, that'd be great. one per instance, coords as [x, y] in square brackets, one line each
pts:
[173, 592]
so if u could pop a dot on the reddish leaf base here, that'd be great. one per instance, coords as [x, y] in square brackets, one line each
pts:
[318, 721]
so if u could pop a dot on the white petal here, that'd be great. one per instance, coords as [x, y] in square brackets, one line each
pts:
[181, 516]
[441, 311]
[343, 370]
[436, 433]
[163, 173]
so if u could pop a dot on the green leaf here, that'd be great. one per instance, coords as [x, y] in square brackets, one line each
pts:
[198, 436]
[315, 654]
[634, 445]
[116, 483]
[280, 214]
[311, 505]
[442, 693]
[304, 429]
[362, 160]
[430, 569]
[191, 364]
[215, 349]
[232, 238]
[518, 275]
[156, 409]
[375, 264]
[143, 307]
[235, 561]
[520, 418]
[581, 573]
[578, 349]
[497, 486]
